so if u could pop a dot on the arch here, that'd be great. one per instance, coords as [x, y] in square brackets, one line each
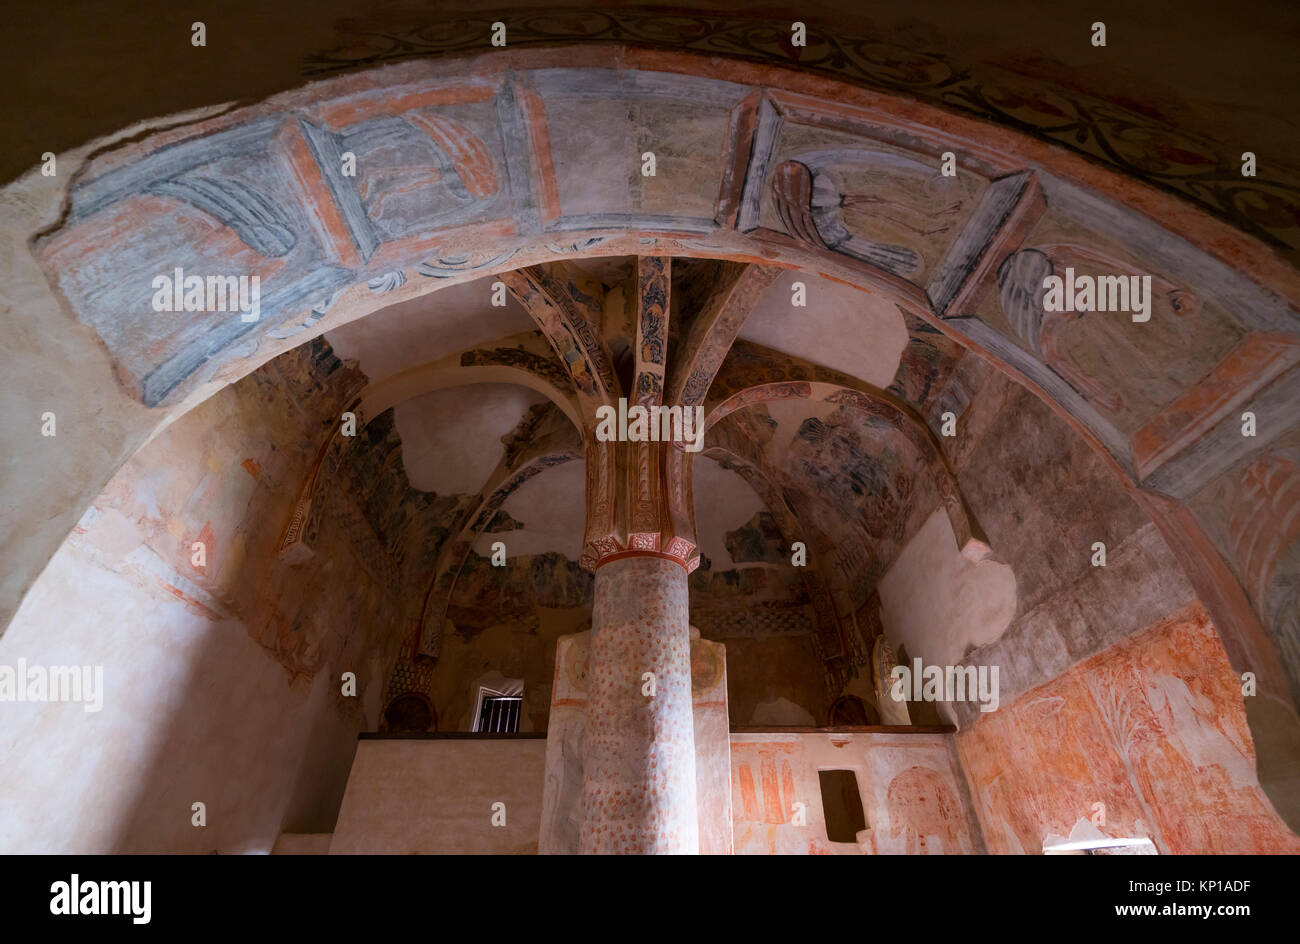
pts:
[828, 639]
[971, 540]
[852, 710]
[543, 440]
[257, 192]
[410, 711]
[374, 400]
[507, 360]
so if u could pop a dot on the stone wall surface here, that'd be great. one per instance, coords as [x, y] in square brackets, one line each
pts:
[1044, 500]
[434, 795]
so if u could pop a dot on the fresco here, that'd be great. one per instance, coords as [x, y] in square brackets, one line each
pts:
[1253, 516]
[797, 170]
[909, 786]
[1090, 424]
[1141, 141]
[485, 595]
[758, 541]
[749, 601]
[1146, 739]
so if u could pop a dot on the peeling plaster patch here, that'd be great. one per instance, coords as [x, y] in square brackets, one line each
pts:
[551, 509]
[725, 502]
[428, 328]
[938, 603]
[451, 439]
[844, 328]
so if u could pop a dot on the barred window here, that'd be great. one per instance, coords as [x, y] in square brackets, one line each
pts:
[498, 714]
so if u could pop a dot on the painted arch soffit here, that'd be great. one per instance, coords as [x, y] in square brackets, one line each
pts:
[1139, 143]
[531, 167]
[802, 182]
[511, 160]
[812, 183]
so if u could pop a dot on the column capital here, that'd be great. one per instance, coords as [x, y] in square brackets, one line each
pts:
[631, 491]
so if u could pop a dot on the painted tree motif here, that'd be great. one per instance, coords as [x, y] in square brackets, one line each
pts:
[1119, 693]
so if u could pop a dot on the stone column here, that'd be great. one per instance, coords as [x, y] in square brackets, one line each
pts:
[639, 789]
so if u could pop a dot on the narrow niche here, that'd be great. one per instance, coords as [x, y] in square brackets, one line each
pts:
[841, 805]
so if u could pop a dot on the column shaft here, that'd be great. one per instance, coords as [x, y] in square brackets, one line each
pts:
[638, 793]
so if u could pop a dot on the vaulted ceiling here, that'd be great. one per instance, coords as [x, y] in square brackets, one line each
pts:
[525, 165]
[814, 395]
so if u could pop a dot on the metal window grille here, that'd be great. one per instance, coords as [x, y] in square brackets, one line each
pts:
[499, 714]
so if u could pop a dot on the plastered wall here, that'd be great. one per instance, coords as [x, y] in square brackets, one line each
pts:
[438, 796]
[222, 673]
